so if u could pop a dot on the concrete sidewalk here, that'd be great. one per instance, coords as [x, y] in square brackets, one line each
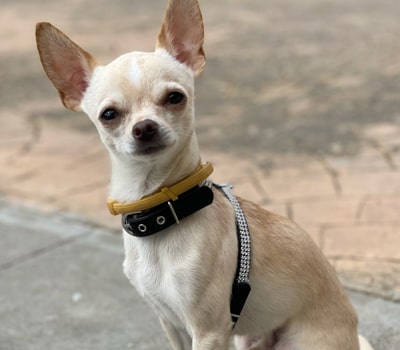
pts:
[62, 287]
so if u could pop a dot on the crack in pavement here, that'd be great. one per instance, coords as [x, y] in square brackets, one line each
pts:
[36, 133]
[332, 173]
[360, 209]
[369, 291]
[384, 153]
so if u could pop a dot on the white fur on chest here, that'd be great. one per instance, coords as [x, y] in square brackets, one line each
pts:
[163, 270]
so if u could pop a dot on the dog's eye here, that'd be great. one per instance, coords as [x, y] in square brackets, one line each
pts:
[175, 98]
[109, 115]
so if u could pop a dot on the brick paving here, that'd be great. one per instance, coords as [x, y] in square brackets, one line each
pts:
[302, 134]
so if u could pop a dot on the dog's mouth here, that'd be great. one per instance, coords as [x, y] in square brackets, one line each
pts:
[145, 150]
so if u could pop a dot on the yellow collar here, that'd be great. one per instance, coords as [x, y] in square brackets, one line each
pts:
[164, 195]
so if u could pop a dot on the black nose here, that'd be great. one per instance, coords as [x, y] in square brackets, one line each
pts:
[145, 130]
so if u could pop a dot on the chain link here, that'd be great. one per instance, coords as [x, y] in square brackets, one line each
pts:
[245, 246]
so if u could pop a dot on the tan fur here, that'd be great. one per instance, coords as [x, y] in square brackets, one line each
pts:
[76, 62]
[186, 271]
[178, 17]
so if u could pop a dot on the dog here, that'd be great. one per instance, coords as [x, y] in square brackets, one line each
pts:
[142, 105]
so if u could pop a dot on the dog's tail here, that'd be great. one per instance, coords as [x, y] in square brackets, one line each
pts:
[364, 345]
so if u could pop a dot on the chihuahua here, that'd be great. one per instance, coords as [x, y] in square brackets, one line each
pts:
[142, 105]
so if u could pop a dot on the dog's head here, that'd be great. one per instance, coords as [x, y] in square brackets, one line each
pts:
[141, 103]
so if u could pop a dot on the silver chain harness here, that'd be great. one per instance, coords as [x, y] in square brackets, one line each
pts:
[245, 246]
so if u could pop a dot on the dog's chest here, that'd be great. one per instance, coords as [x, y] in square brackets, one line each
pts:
[160, 289]
[160, 273]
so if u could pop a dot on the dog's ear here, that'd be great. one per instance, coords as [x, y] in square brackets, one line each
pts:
[68, 66]
[182, 34]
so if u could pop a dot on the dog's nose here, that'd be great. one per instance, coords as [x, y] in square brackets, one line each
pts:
[145, 130]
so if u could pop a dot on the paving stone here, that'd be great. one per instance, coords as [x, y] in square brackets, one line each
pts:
[91, 204]
[227, 167]
[371, 241]
[280, 188]
[378, 183]
[331, 211]
[368, 160]
[51, 176]
[380, 209]
[249, 189]
[56, 140]
[386, 132]
[376, 277]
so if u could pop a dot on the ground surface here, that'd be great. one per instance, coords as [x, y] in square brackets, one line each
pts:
[62, 287]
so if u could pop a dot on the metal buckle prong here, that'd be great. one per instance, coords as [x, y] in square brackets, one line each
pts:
[171, 207]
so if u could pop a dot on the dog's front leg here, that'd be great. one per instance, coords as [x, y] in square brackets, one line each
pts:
[212, 336]
[179, 339]
[211, 341]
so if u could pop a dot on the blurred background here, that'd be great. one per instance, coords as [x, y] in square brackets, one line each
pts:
[299, 107]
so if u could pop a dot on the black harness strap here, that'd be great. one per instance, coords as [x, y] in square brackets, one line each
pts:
[240, 287]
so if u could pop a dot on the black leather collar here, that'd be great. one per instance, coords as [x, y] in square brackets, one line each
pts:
[156, 219]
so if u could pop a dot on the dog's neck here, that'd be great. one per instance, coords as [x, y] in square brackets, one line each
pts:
[131, 180]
